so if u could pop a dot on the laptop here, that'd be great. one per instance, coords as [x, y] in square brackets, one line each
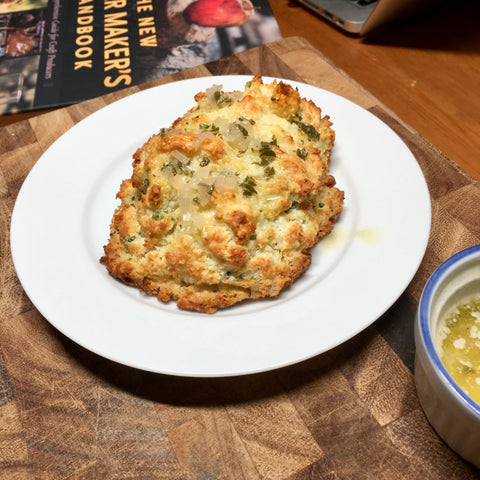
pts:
[363, 16]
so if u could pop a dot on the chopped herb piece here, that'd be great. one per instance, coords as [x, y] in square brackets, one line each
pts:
[248, 186]
[267, 152]
[185, 169]
[220, 99]
[321, 205]
[269, 171]
[273, 143]
[205, 161]
[253, 237]
[208, 128]
[265, 161]
[175, 166]
[302, 153]
[131, 238]
[308, 130]
[266, 149]
[210, 188]
[171, 166]
[249, 120]
[242, 129]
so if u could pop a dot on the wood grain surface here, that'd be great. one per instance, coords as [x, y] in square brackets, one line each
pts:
[425, 69]
[351, 413]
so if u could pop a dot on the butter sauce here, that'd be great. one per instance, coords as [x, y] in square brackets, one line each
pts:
[459, 345]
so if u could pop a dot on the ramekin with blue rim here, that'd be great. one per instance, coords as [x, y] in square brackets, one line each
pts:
[450, 411]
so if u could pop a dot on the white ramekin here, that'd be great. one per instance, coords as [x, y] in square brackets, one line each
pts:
[454, 416]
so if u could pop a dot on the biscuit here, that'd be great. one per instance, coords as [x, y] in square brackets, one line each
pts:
[225, 204]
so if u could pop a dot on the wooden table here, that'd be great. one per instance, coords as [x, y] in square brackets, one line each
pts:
[426, 69]
[351, 413]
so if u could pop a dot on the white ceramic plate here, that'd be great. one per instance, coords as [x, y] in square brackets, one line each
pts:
[61, 222]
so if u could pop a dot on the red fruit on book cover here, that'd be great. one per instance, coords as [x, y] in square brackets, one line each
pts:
[219, 13]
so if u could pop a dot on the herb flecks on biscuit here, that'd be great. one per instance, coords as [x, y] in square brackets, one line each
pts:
[225, 204]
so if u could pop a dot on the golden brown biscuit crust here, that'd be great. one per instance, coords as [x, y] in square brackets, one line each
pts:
[225, 205]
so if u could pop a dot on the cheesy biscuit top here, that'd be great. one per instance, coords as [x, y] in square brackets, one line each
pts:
[224, 205]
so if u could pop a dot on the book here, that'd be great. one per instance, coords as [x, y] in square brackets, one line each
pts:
[60, 52]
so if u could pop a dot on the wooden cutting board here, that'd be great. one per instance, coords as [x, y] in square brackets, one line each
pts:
[351, 413]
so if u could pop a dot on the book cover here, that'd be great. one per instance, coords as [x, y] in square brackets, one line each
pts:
[59, 52]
